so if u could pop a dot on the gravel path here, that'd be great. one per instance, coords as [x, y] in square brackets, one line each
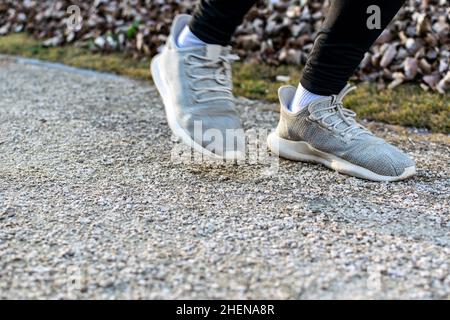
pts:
[92, 206]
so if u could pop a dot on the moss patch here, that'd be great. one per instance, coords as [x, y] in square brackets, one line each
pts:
[25, 46]
[408, 105]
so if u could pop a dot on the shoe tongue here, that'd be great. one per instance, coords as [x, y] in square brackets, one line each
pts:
[334, 115]
[322, 104]
[219, 76]
[213, 51]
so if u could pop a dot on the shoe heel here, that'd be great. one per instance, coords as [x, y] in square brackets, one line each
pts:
[291, 150]
[156, 74]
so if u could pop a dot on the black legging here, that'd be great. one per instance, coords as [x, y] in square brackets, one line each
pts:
[338, 50]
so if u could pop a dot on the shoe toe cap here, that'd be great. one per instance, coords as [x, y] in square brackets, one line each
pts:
[383, 159]
[398, 160]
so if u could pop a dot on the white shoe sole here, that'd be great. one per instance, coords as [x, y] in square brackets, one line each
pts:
[303, 151]
[161, 85]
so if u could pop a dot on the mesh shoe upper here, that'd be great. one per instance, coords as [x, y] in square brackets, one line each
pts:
[329, 127]
[199, 79]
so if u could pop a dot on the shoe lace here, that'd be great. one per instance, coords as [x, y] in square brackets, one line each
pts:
[338, 115]
[218, 70]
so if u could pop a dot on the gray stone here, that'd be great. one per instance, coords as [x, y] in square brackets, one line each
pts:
[91, 206]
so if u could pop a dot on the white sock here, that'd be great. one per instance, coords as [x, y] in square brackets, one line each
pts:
[303, 98]
[188, 39]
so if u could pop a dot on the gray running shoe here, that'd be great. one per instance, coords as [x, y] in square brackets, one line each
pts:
[325, 132]
[196, 89]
